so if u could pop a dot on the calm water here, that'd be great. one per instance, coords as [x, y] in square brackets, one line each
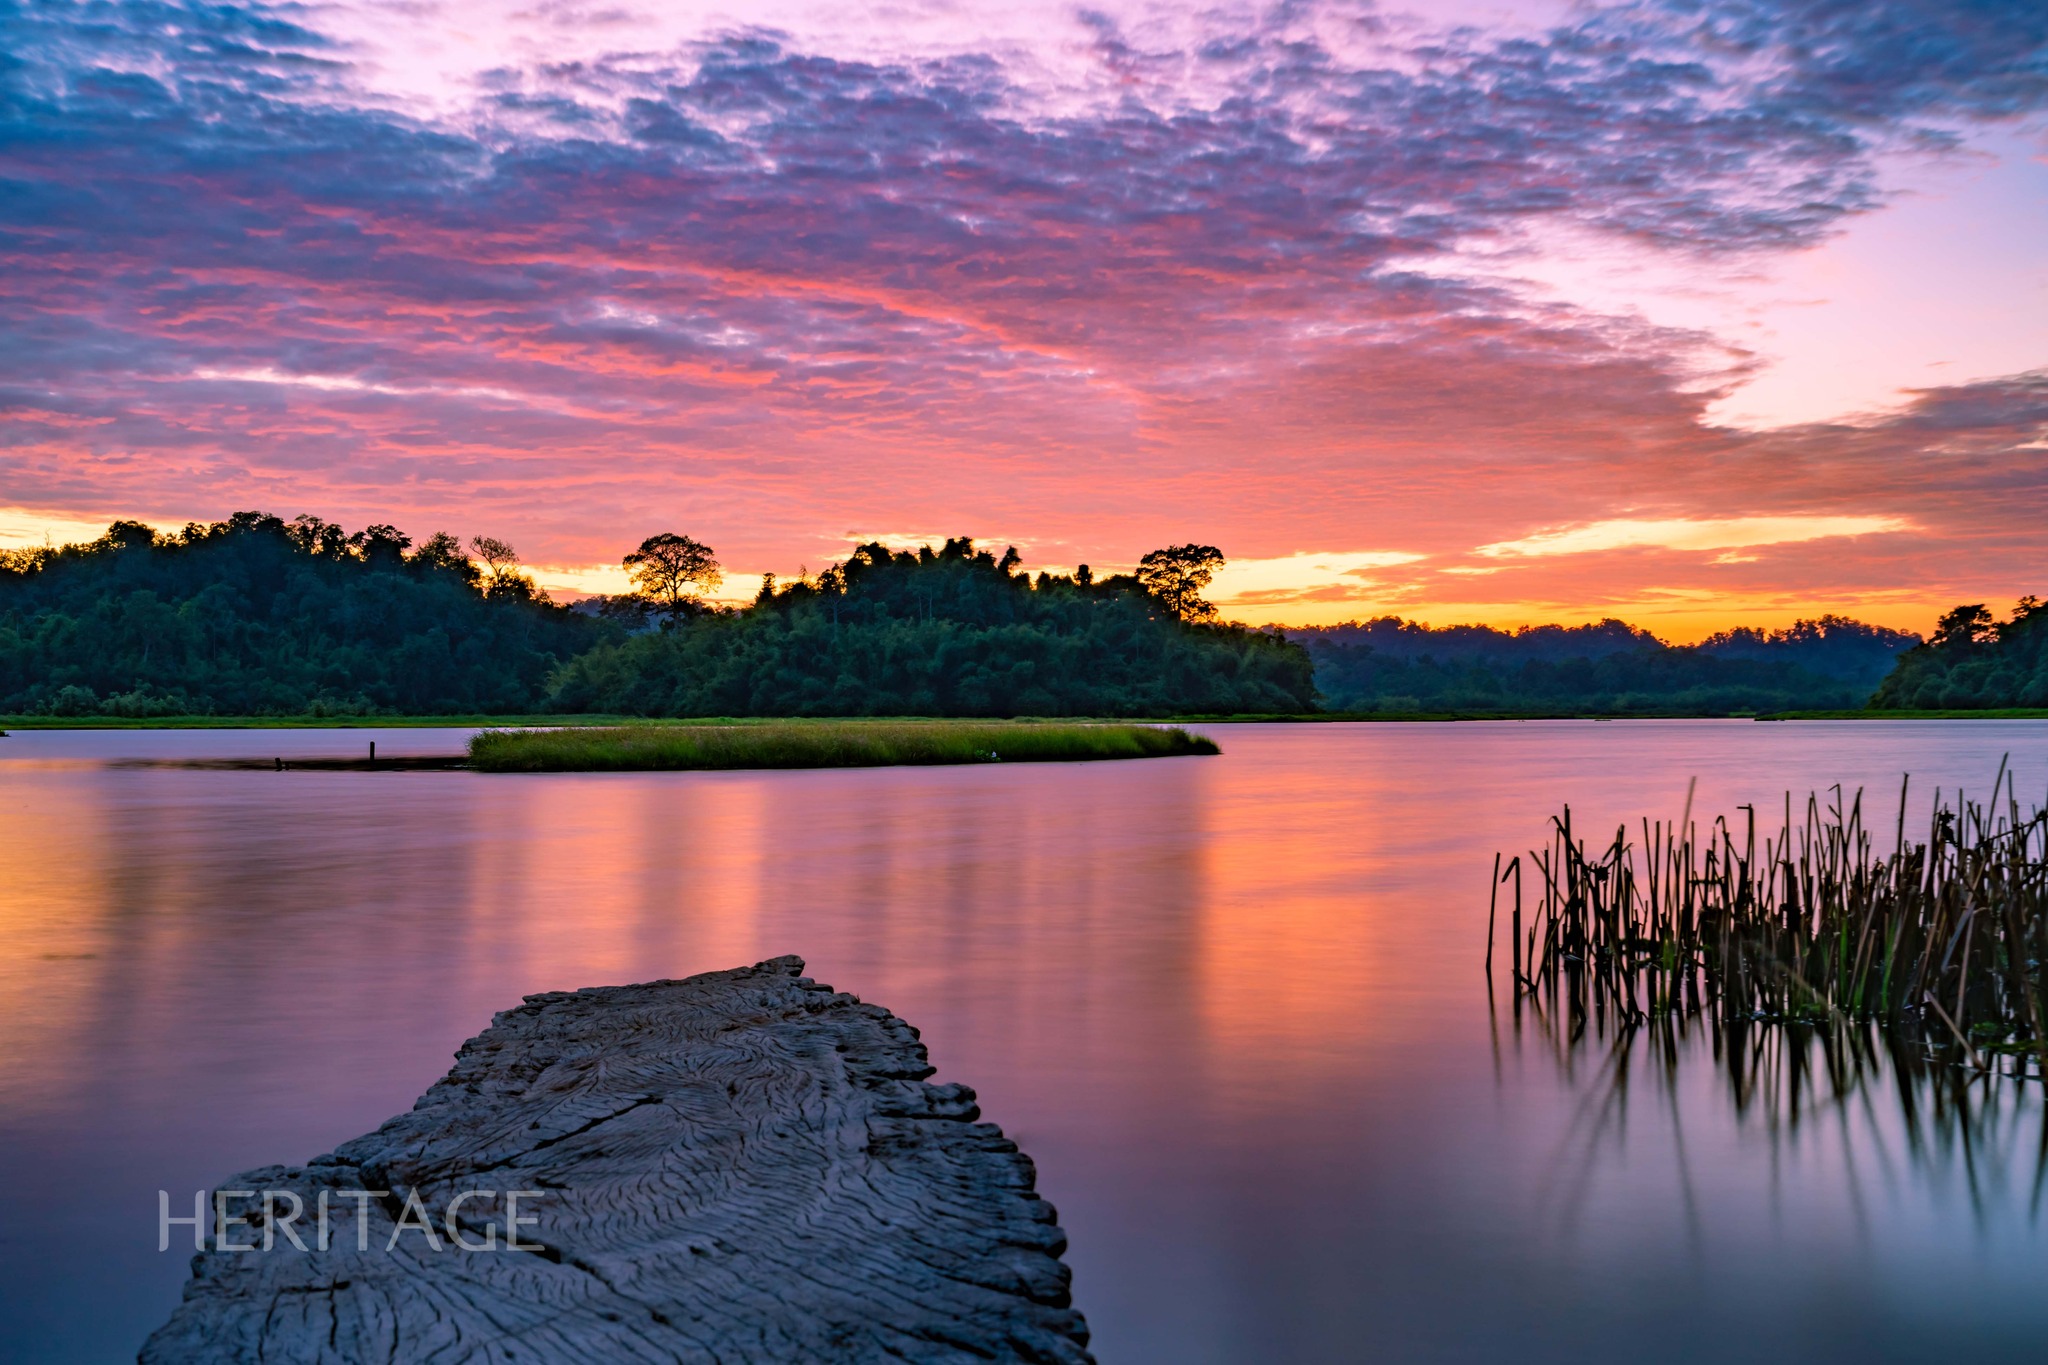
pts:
[1232, 1006]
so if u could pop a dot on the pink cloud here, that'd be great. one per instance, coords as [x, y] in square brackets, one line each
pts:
[751, 291]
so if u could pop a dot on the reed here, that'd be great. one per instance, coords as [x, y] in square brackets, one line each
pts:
[1941, 940]
[819, 744]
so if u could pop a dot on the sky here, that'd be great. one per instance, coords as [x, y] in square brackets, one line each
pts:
[1694, 312]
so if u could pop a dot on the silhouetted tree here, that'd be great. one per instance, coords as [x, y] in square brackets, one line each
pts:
[498, 556]
[123, 535]
[443, 552]
[376, 544]
[1177, 575]
[671, 572]
[1974, 662]
[502, 577]
[1966, 625]
[313, 536]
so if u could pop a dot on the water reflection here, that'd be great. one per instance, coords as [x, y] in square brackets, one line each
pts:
[1232, 1007]
[1884, 1111]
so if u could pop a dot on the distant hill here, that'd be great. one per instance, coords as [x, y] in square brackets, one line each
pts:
[1834, 647]
[1390, 664]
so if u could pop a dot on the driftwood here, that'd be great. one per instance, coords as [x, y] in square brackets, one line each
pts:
[741, 1166]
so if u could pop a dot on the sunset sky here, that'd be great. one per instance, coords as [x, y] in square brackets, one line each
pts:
[1697, 313]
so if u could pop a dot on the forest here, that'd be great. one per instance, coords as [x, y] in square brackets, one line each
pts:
[1974, 662]
[954, 631]
[256, 615]
[261, 616]
[1608, 668]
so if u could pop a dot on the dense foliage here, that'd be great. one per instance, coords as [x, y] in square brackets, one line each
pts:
[256, 615]
[1975, 662]
[951, 632]
[259, 616]
[1610, 668]
[1834, 647]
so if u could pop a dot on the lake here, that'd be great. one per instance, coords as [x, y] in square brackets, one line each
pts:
[1232, 1006]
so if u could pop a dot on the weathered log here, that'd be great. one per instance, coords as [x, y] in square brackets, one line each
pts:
[740, 1166]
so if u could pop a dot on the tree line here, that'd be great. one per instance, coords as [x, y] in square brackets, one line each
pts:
[256, 615]
[1974, 662]
[947, 631]
[259, 615]
[1607, 668]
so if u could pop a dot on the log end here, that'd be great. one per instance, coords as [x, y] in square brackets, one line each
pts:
[743, 1165]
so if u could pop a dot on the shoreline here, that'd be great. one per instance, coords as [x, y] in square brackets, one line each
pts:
[843, 744]
[28, 723]
[706, 748]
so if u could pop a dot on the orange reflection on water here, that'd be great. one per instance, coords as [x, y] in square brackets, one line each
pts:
[1232, 1006]
[54, 907]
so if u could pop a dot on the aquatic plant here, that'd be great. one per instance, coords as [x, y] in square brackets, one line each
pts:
[820, 744]
[1941, 941]
[1819, 1088]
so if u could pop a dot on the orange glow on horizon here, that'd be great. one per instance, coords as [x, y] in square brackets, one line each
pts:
[1322, 589]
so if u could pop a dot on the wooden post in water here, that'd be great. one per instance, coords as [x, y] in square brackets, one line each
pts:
[373, 753]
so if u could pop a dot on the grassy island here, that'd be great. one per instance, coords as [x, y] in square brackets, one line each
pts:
[819, 744]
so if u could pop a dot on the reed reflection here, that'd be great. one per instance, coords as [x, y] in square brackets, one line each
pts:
[1894, 1001]
[1878, 1111]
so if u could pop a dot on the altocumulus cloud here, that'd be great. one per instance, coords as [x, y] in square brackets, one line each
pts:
[763, 287]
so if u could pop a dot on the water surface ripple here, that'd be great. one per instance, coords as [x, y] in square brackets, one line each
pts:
[1233, 1006]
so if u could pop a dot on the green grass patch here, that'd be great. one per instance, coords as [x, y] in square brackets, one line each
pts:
[819, 744]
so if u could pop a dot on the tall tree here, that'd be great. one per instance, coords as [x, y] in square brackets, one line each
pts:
[502, 577]
[444, 552]
[1972, 624]
[1176, 576]
[498, 556]
[672, 572]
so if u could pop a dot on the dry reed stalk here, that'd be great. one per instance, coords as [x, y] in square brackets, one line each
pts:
[1818, 930]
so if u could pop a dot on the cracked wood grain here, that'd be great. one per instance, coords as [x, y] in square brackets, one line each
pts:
[741, 1166]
